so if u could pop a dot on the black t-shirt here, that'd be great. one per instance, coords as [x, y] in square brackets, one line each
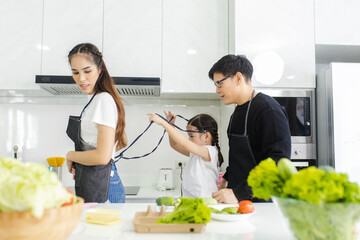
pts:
[269, 136]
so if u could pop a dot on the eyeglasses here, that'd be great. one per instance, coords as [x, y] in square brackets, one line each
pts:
[217, 83]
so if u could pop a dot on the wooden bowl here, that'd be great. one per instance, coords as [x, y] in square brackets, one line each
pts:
[55, 224]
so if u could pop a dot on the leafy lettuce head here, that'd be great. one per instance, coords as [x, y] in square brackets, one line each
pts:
[29, 187]
[265, 180]
[317, 186]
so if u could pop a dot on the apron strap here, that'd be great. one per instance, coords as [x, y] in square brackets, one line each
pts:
[118, 157]
[201, 131]
[247, 112]
[137, 138]
[87, 105]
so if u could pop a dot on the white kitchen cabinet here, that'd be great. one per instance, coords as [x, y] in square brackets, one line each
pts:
[66, 24]
[195, 36]
[278, 38]
[20, 53]
[337, 22]
[132, 37]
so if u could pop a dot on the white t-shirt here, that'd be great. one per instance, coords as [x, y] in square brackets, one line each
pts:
[102, 110]
[201, 177]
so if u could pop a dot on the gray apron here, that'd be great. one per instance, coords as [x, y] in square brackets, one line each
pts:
[240, 153]
[91, 182]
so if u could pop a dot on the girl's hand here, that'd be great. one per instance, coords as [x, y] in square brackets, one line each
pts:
[155, 118]
[222, 185]
[170, 115]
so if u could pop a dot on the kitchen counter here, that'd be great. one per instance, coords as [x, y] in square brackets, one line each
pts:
[267, 224]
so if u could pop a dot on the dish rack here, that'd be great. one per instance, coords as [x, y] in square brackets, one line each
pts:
[145, 222]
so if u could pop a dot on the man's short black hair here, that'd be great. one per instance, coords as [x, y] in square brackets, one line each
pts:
[230, 65]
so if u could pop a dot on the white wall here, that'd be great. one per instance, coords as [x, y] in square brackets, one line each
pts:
[38, 127]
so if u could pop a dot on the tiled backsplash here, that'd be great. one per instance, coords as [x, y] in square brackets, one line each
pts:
[37, 126]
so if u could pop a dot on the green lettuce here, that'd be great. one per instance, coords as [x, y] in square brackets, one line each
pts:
[189, 211]
[265, 180]
[29, 187]
[318, 202]
[317, 186]
[314, 185]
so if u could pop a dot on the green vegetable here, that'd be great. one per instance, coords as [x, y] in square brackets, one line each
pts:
[209, 201]
[167, 201]
[189, 211]
[265, 180]
[214, 210]
[230, 210]
[29, 186]
[286, 168]
[318, 202]
[317, 186]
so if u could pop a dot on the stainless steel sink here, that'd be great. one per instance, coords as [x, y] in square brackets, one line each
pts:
[131, 190]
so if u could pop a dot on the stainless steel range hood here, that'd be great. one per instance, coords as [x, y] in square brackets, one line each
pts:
[130, 86]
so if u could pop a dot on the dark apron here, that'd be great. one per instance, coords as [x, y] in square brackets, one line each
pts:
[91, 182]
[240, 153]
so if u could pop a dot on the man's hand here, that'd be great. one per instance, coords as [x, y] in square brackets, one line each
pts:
[225, 196]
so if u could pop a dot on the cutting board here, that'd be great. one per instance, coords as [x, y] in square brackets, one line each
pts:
[145, 222]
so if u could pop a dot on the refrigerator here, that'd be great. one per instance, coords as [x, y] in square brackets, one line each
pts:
[338, 115]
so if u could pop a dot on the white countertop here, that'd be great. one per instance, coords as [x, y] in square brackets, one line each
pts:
[267, 224]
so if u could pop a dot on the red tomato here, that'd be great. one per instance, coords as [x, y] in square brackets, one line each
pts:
[71, 201]
[246, 206]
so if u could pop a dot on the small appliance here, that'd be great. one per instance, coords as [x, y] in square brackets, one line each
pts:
[165, 179]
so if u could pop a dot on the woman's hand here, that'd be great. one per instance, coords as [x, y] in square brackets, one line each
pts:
[69, 163]
[73, 172]
[170, 117]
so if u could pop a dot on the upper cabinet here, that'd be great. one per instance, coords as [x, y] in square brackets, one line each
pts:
[66, 24]
[20, 54]
[337, 34]
[337, 22]
[278, 38]
[132, 37]
[195, 36]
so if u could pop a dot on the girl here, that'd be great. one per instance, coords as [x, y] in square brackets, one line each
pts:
[201, 174]
[98, 132]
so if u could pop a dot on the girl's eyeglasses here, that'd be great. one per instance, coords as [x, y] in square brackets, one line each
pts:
[217, 83]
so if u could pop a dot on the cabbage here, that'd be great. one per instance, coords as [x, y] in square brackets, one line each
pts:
[29, 187]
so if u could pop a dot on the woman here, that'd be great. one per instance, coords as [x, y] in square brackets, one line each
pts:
[98, 132]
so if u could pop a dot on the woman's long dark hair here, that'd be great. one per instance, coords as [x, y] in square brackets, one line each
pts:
[207, 122]
[104, 84]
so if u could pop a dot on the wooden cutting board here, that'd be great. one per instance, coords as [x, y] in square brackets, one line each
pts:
[145, 222]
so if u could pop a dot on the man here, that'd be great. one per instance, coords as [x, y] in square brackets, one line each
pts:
[257, 129]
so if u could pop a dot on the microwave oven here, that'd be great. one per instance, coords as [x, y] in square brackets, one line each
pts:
[299, 105]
